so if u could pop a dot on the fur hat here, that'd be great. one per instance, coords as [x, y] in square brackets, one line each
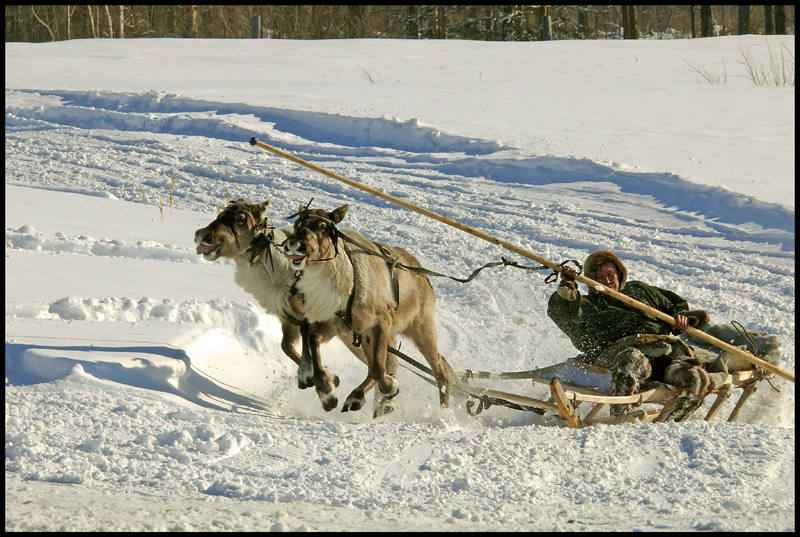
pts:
[595, 260]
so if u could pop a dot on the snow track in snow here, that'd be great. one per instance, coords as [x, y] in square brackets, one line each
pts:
[722, 251]
[409, 153]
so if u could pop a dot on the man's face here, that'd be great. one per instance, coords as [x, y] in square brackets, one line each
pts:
[607, 275]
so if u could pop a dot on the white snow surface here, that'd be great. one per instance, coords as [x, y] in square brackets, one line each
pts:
[146, 391]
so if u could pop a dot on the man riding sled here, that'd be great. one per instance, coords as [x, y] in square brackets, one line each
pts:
[635, 346]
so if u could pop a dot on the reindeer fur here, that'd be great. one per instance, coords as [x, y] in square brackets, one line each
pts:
[269, 279]
[330, 282]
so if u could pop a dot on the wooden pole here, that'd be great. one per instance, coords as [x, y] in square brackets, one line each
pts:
[525, 253]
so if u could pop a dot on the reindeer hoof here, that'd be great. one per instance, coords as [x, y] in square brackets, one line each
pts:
[305, 376]
[326, 392]
[387, 407]
[329, 402]
[354, 402]
[304, 383]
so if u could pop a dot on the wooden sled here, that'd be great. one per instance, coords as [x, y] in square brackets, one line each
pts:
[573, 383]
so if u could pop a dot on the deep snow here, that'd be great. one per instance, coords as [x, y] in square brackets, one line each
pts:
[145, 390]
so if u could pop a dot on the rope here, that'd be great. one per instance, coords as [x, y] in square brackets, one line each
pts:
[386, 255]
[484, 401]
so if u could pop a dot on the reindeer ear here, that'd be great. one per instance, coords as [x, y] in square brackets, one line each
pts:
[259, 208]
[337, 215]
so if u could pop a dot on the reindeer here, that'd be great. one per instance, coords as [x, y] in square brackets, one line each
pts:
[360, 281]
[239, 233]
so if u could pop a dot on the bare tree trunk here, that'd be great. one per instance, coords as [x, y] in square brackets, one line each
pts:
[744, 20]
[780, 20]
[634, 25]
[705, 21]
[56, 24]
[412, 24]
[52, 37]
[583, 23]
[691, 16]
[624, 13]
[547, 30]
[110, 23]
[629, 26]
[91, 21]
[69, 20]
[121, 21]
[769, 22]
[195, 21]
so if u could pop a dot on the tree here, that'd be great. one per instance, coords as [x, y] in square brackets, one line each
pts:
[769, 21]
[744, 20]
[583, 23]
[705, 21]
[780, 20]
[629, 25]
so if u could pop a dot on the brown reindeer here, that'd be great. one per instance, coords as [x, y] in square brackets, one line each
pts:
[345, 275]
[268, 276]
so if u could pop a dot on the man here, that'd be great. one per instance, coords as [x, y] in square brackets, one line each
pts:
[632, 344]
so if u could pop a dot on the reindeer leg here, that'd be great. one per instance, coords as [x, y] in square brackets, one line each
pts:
[358, 397]
[377, 366]
[383, 405]
[305, 371]
[291, 333]
[423, 334]
[442, 380]
[326, 389]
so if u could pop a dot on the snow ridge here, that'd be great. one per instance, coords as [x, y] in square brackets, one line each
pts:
[416, 152]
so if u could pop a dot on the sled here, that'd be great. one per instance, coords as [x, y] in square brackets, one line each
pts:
[573, 383]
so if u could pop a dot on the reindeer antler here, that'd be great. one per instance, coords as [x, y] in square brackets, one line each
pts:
[301, 210]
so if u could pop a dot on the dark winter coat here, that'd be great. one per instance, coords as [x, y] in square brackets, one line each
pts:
[595, 321]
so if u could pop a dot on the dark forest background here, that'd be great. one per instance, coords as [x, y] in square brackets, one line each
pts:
[488, 23]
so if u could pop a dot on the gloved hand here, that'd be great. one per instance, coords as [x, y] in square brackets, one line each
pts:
[568, 275]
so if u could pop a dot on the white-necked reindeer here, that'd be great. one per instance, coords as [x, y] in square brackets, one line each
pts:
[342, 279]
[269, 277]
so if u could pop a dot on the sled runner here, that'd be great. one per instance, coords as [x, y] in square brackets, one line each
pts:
[573, 383]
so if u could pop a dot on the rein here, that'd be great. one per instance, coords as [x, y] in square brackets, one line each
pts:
[392, 263]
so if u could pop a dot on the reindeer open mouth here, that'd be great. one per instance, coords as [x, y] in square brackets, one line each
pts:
[208, 251]
[296, 259]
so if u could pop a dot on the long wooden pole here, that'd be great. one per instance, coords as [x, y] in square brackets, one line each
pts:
[530, 255]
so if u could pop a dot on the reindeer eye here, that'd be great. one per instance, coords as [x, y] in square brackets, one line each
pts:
[240, 219]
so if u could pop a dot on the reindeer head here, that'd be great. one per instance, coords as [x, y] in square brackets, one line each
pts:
[314, 237]
[232, 232]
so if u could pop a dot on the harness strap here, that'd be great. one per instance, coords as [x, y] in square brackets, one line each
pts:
[393, 263]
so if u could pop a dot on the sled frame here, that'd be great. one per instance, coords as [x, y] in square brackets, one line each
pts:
[565, 398]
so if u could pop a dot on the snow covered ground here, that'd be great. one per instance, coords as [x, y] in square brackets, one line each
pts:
[146, 391]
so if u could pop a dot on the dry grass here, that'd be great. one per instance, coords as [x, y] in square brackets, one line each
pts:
[698, 74]
[171, 202]
[779, 70]
[368, 77]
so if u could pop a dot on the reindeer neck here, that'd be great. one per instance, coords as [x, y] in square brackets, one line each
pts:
[325, 287]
